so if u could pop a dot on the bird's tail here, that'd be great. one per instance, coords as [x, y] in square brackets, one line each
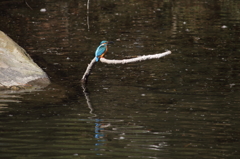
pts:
[97, 59]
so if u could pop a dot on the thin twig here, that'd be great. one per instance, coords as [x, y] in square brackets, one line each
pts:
[88, 14]
[88, 6]
[28, 5]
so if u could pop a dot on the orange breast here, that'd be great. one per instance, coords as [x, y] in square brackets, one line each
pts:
[104, 52]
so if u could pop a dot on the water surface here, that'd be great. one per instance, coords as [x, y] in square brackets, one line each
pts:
[185, 105]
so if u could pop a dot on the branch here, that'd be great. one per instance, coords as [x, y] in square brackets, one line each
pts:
[88, 70]
[139, 58]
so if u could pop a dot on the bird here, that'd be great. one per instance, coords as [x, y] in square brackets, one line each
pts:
[102, 49]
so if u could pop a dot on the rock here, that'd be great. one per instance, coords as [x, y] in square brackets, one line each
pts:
[17, 69]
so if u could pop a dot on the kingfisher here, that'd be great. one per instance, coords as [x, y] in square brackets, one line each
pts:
[102, 49]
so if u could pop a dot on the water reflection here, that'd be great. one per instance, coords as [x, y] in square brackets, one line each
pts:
[13, 96]
[99, 126]
[183, 106]
[124, 131]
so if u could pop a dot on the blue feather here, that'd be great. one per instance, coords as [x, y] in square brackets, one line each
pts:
[101, 49]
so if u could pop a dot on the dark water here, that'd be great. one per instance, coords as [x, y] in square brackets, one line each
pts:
[185, 105]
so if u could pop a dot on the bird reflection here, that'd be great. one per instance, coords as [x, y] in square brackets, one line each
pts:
[99, 127]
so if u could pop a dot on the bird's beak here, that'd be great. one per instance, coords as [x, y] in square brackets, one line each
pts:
[110, 42]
